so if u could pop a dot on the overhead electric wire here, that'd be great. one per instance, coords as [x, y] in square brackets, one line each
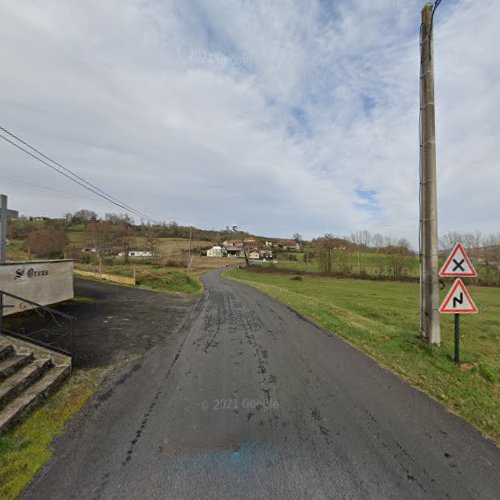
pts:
[70, 171]
[52, 190]
[71, 175]
[78, 182]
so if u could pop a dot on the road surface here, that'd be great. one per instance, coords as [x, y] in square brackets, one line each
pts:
[255, 402]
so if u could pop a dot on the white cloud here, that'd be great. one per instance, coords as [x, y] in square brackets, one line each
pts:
[266, 115]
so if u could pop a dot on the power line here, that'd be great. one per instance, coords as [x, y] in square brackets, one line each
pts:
[67, 170]
[69, 174]
[49, 189]
[128, 209]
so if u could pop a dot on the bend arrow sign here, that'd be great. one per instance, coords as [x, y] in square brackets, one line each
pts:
[458, 264]
[458, 300]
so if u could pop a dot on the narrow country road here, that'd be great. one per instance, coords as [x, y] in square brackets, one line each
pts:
[255, 402]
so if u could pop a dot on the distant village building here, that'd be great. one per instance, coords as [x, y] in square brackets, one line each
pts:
[233, 243]
[39, 218]
[137, 253]
[216, 251]
[234, 251]
[254, 255]
[266, 254]
[269, 243]
[288, 245]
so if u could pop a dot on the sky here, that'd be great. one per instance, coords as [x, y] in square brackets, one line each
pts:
[278, 117]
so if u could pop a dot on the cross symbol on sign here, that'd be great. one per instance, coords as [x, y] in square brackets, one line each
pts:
[458, 264]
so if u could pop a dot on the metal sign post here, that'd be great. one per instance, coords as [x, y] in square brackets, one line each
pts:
[456, 356]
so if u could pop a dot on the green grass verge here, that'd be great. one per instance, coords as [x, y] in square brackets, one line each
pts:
[171, 281]
[157, 279]
[25, 449]
[382, 320]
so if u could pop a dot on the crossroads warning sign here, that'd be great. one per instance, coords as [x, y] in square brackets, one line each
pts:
[458, 300]
[458, 264]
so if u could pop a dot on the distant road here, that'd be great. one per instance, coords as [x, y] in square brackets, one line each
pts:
[252, 401]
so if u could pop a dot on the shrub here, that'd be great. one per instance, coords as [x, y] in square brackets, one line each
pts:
[47, 242]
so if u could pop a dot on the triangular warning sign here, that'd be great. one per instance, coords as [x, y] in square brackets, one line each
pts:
[458, 300]
[458, 264]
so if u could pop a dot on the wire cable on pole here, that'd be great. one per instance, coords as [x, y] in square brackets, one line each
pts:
[69, 174]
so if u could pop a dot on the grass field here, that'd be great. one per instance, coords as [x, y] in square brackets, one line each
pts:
[382, 319]
[166, 246]
[371, 263]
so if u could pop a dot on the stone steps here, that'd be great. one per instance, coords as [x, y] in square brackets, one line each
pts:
[28, 374]
[24, 377]
[12, 363]
[5, 350]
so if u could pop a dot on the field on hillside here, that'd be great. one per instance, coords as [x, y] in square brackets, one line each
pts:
[382, 319]
[166, 246]
[173, 271]
[369, 263]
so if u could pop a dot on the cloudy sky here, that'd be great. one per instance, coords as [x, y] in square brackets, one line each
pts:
[277, 117]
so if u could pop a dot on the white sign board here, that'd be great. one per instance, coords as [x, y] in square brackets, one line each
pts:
[43, 282]
[458, 264]
[458, 300]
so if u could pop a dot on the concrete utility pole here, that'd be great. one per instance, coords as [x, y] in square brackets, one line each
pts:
[3, 228]
[429, 281]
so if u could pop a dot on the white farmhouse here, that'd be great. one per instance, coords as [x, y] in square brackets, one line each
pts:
[216, 251]
[137, 253]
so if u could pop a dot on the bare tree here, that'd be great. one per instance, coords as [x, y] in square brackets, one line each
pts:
[399, 256]
[365, 238]
[83, 217]
[123, 231]
[326, 249]
[356, 239]
[491, 256]
[101, 235]
[151, 233]
[378, 241]
[450, 239]
[47, 242]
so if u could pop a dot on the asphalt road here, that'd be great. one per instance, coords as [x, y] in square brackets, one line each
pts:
[253, 401]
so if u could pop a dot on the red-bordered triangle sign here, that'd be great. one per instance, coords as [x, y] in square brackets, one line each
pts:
[458, 264]
[458, 300]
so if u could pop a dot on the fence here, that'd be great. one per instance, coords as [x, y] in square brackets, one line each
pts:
[61, 339]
